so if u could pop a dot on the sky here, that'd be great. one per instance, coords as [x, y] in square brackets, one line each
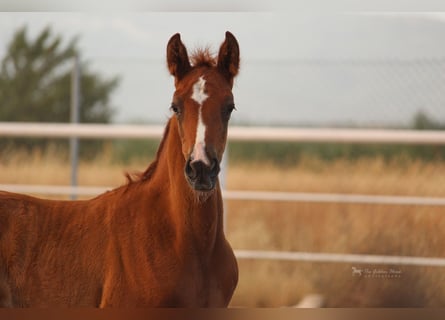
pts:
[297, 68]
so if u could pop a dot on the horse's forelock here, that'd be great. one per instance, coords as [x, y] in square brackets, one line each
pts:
[203, 57]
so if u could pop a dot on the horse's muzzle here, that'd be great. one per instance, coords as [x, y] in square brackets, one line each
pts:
[200, 176]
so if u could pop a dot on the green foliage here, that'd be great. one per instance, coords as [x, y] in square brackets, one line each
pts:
[423, 122]
[126, 151]
[288, 153]
[35, 86]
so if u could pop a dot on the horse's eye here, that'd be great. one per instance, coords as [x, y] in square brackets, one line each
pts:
[175, 108]
[228, 110]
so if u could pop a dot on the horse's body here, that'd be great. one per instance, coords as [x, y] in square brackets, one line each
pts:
[157, 241]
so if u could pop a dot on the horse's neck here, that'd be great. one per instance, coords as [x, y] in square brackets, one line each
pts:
[199, 214]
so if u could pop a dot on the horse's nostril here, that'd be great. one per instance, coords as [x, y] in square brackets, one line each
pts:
[190, 170]
[200, 175]
[214, 167]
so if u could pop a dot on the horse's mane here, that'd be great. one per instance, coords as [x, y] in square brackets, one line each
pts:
[148, 173]
[203, 57]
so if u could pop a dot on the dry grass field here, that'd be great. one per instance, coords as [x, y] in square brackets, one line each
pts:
[311, 227]
[340, 228]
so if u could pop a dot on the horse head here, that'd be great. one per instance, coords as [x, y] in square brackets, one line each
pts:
[202, 105]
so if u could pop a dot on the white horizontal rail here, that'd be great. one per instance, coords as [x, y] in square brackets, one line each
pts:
[246, 195]
[332, 197]
[54, 190]
[339, 257]
[64, 130]
[337, 135]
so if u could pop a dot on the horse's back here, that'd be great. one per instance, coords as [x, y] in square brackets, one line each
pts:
[41, 240]
[12, 208]
[19, 214]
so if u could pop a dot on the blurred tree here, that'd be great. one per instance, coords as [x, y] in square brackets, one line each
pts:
[422, 121]
[35, 83]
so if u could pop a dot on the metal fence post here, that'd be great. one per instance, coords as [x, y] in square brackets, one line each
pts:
[74, 118]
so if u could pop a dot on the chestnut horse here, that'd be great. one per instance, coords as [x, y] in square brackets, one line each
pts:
[157, 241]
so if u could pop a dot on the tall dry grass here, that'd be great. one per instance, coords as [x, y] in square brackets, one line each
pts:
[311, 227]
[52, 168]
[339, 228]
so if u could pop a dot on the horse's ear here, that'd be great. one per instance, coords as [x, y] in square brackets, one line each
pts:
[177, 59]
[228, 57]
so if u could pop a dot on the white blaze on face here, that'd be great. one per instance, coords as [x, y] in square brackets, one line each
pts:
[199, 95]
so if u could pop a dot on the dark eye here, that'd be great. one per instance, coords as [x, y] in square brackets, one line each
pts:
[227, 111]
[174, 108]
